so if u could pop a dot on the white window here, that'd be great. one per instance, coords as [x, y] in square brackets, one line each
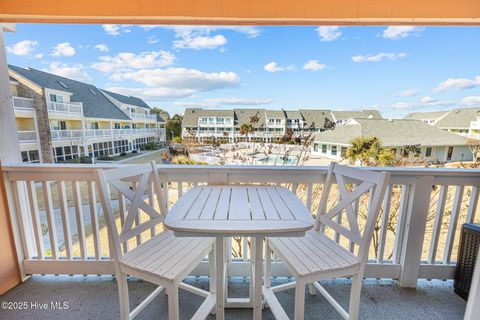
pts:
[55, 98]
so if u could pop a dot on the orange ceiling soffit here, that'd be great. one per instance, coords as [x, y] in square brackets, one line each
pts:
[244, 12]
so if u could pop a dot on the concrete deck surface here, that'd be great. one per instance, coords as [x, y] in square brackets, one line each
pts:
[96, 298]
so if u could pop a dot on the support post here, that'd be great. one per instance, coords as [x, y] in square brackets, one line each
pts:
[416, 222]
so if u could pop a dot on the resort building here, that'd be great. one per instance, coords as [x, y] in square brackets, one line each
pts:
[267, 125]
[60, 119]
[400, 135]
[462, 121]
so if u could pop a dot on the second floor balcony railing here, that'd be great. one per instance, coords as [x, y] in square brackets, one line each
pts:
[142, 116]
[74, 108]
[110, 133]
[27, 136]
[22, 103]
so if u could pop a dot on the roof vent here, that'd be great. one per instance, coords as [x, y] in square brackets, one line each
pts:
[92, 91]
[63, 84]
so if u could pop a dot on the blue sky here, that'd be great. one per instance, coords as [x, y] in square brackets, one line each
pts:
[394, 69]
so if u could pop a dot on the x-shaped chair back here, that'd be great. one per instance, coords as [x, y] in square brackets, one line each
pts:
[131, 182]
[366, 182]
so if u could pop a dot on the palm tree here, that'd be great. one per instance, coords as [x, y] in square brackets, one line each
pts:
[246, 129]
[369, 151]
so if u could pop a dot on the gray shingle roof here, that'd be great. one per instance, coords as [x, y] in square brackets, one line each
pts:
[134, 101]
[425, 115]
[459, 118]
[242, 116]
[293, 114]
[191, 115]
[392, 133]
[275, 114]
[316, 117]
[95, 104]
[364, 114]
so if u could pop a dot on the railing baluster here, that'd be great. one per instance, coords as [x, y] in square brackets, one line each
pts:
[179, 189]
[151, 199]
[309, 196]
[67, 232]
[472, 205]
[400, 229]
[52, 230]
[37, 227]
[437, 225]
[92, 196]
[384, 227]
[20, 210]
[457, 203]
[138, 237]
[77, 200]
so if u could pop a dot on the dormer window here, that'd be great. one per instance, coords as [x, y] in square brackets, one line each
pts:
[55, 98]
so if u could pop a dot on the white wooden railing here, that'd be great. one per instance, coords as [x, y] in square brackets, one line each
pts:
[98, 133]
[142, 116]
[60, 220]
[23, 103]
[74, 108]
[27, 136]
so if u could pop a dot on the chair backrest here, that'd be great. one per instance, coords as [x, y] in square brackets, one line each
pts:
[131, 182]
[360, 182]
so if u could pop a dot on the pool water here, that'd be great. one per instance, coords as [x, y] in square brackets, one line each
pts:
[277, 159]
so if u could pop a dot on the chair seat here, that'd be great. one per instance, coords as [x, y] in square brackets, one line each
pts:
[166, 256]
[314, 253]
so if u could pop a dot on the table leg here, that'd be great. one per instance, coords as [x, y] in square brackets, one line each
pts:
[257, 278]
[220, 283]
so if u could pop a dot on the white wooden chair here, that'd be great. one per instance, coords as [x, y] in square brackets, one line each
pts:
[164, 259]
[316, 256]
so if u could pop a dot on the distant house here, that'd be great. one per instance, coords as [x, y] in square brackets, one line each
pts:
[462, 121]
[203, 124]
[433, 143]
[341, 117]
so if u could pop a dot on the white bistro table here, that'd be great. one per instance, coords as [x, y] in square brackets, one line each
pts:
[239, 210]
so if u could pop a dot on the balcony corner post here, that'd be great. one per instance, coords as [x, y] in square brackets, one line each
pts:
[414, 234]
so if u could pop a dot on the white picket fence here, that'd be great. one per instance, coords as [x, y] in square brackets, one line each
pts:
[60, 220]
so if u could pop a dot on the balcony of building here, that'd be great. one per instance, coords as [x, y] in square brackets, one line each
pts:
[68, 108]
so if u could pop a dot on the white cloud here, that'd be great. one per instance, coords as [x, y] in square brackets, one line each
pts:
[249, 31]
[23, 48]
[314, 65]
[398, 32]
[63, 49]
[200, 42]
[407, 93]
[115, 29]
[329, 33]
[459, 83]
[125, 61]
[73, 71]
[378, 57]
[471, 101]
[152, 40]
[176, 82]
[273, 67]
[226, 101]
[424, 103]
[102, 47]
[428, 99]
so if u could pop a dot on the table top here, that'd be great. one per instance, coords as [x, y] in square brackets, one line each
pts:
[245, 210]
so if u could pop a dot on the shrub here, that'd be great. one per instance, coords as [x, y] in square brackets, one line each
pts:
[186, 160]
[85, 159]
[134, 151]
[177, 139]
[105, 158]
[123, 154]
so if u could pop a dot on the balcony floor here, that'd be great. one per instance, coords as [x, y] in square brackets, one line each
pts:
[96, 298]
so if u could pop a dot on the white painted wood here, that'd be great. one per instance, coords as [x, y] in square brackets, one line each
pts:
[52, 230]
[67, 232]
[401, 218]
[437, 224]
[416, 221]
[77, 200]
[257, 277]
[452, 227]
[164, 259]
[473, 304]
[37, 228]
[317, 257]
[385, 219]
[472, 205]
[92, 196]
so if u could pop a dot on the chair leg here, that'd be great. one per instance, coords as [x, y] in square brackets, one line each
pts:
[268, 266]
[212, 275]
[355, 297]
[123, 296]
[299, 299]
[173, 307]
